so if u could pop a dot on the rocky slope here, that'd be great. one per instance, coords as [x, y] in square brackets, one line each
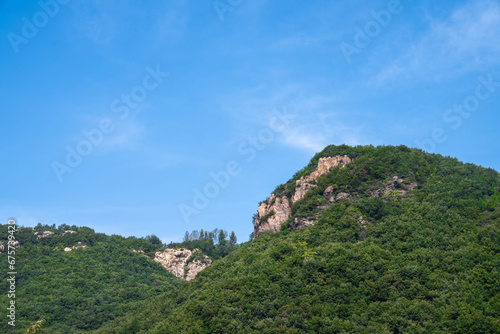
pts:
[397, 241]
[271, 216]
[180, 263]
[275, 211]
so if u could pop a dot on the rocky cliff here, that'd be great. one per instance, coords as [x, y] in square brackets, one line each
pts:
[176, 262]
[271, 216]
[303, 185]
[275, 211]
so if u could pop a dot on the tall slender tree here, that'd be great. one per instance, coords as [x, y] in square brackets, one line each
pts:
[232, 239]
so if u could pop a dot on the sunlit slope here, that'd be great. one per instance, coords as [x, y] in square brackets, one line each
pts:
[421, 261]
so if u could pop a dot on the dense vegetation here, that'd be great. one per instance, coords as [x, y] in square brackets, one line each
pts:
[82, 289]
[214, 244]
[424, 261]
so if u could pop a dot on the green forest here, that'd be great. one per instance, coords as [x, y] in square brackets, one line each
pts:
[84, 288]
[421, 257]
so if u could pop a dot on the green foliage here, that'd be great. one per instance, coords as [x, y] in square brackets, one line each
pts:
[373, 207]
[429, 263]
[35, 327]
[303, 251]
[214, 244]
[425, 260]
[266, 216]
[82, 289]
[196, 256]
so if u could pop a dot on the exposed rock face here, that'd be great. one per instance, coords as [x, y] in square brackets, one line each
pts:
[395, 187]
[174, 260]
[79, 246]
[328, 191]
[303, 185]
[140, 251]
[271, 216]
[300, 223]
[43, 234]
[343, 196]
[69, 231]
[302, 188]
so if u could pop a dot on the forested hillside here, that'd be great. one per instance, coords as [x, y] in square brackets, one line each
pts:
[216, 244]
[85, 287]
[400, 241]
[76, 280]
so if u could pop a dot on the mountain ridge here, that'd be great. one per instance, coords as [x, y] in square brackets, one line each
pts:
[409, 244]
[395, 240]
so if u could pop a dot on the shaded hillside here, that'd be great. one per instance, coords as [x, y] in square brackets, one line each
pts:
[381, 257]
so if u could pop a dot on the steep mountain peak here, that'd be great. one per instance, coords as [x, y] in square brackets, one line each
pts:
[275, 211]
[397, 241]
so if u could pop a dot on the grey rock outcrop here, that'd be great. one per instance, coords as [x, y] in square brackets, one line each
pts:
[275, 211]
[343, 196]
[301, 223]
[328, 191]
[140, 251]
[271, 216]
[303, 185]
[79, 246]
[43, 234]
[175, 261]
[394, 187]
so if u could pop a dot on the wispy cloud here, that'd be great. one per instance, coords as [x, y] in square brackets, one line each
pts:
[301, 40]
[172, 21]
[102, 21]
[96, 20]
[299, 139]
[468, 40]
[317, 119]
[125, 136]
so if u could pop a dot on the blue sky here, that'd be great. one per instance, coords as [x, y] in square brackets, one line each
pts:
[118, 114]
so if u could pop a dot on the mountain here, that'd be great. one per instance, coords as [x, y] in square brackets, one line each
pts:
[78, 280]
[362, 240]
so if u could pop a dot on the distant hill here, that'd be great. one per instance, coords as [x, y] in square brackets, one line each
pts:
[362, 240]
[77, 279]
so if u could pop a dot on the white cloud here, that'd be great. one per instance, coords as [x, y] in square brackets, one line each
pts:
[315, 131]
[173, 20]
[301, 41]
[125, 136]
[317, 119]
[96, 20]
[468, 40]
[299, 139]
[103, 21]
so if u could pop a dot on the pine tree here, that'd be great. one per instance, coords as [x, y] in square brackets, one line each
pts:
[232, 239]
[222, 237]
